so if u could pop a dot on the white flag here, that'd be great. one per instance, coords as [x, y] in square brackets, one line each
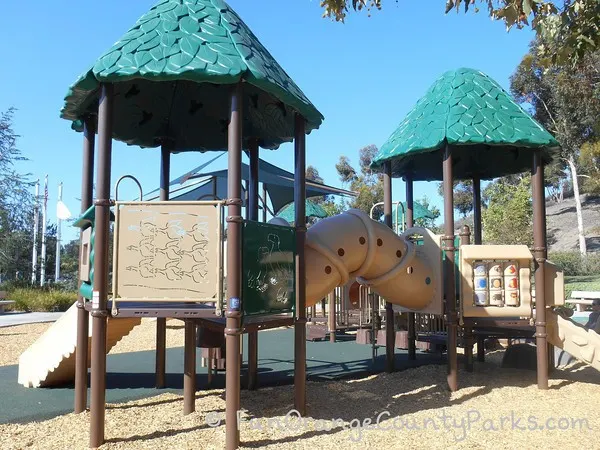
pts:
[62, 212]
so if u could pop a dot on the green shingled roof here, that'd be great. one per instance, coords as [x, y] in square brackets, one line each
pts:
[169, 71]
[490, 134]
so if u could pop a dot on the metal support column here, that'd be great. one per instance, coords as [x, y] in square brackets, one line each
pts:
[465, 239]
[300, 222]
[233, 313]
[83, 317]
[450, 281]
[540, 253]
[412, 333]
[390, 329]
[100, 292]
[253, 215]
[161, 322]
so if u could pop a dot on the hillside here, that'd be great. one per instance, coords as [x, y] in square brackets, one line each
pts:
[562, 224]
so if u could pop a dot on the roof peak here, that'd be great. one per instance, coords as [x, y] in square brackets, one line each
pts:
[466, 108]
[198, 42]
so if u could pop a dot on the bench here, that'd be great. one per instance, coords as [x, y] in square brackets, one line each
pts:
[581, 299]
[4, 302]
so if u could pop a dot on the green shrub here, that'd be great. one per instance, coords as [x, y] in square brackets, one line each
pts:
[37, 299]
[574, 264]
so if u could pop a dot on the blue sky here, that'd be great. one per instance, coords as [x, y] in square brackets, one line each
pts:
[364, 76]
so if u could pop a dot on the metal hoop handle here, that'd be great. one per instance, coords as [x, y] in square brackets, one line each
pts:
[131, 177]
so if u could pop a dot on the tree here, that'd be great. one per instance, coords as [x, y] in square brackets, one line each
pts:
[567, 30]
[508, 218]
[589, 158]
[565, 101]
[312, 174]
[327, 202]
[462, 195]
[16, 203]
[368, 184]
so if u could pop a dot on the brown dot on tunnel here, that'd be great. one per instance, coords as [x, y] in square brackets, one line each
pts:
[362, 240]
[341, 251]
[379, 242]
[399, 254]
[328, 270]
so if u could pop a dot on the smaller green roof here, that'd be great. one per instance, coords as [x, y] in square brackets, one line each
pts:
[173, 71]
[490, 134]
[419, 212]
[312, 210]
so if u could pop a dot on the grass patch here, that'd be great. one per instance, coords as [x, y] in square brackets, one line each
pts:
[28, 299]
[581, 283]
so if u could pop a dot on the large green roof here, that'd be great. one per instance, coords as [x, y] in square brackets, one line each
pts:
[169, 71]
[490, 134]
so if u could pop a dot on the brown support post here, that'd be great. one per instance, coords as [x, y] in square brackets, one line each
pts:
[477, 240]
[100, 292]
[300, 223]
[331, 316]
[234, 260]
[161, 322]
[540, 253]
[477, 211]
[412, 333]
[480, 349]
[264, 203]
[465, 239]
[450, 281]
[189, 367]
[253, 215]
[83, 318]
[390, 330]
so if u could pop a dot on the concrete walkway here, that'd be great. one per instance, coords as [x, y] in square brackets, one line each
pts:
[11, 319]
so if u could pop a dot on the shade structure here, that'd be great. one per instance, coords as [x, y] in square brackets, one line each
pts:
[312, 210]
[279, 184]
[419, 212]
[490, 134]
[171, 73]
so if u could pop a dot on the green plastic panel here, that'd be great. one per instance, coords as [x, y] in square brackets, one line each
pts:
[268, 269]
[457, 275]
[173, 70]
[88, 219]
[490, 134]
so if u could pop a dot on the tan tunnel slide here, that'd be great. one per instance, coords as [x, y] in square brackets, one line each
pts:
[51, 359]
[353, 246]
[581, 343]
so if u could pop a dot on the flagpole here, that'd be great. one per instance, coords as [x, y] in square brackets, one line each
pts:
[36, 220]
[58, 226]
[43, 265]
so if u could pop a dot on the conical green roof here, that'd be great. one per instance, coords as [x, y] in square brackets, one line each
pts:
[490, 134]
[169, 71]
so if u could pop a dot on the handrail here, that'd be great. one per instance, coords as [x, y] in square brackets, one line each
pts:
[131, 177]
[397, 203]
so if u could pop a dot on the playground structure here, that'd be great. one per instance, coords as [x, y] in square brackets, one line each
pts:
[206, 83]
